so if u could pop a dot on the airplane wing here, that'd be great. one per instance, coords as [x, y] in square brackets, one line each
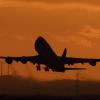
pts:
[72, 61]
[23, 59]
[35, 59]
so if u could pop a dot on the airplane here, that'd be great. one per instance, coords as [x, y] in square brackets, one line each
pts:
[48, 57]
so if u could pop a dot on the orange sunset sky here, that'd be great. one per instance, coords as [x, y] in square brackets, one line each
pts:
[74, 24]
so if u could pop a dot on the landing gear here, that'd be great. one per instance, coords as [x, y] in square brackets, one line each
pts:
[38, 67]
[46, 69]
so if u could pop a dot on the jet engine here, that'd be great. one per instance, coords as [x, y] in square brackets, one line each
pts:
[23, 60]
[8, 60]
[93, 63]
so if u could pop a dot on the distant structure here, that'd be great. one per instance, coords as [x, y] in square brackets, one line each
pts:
[77, 83]
[1, 69]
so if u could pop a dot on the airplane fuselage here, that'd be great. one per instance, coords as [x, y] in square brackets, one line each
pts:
[47, 56]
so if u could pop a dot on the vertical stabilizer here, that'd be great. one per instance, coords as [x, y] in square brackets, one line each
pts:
[64, 53]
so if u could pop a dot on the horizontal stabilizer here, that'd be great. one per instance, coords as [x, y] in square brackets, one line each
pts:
[75, 68]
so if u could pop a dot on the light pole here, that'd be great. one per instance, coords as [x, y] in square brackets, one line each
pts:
[1, 69]
[77, 84]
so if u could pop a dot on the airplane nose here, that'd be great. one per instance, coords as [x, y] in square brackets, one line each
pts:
[43, 48]
[39, 42]
[40, 45]
[40, 38]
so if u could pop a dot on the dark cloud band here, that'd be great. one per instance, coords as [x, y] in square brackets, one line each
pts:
[96, 2]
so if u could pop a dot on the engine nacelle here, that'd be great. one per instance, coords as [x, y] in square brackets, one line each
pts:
[8, 60]
[23, 60]
[93, 63]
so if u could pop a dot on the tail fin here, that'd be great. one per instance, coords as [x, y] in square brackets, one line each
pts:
[64, 53]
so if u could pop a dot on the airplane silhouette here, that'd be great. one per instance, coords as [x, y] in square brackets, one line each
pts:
[48, 57]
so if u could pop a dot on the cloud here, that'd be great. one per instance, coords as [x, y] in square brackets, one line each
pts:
[64, 20]
[87, 37]
[49, 6]
[80, 41]
[96, 2]
[90, 32]
[53, 16]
